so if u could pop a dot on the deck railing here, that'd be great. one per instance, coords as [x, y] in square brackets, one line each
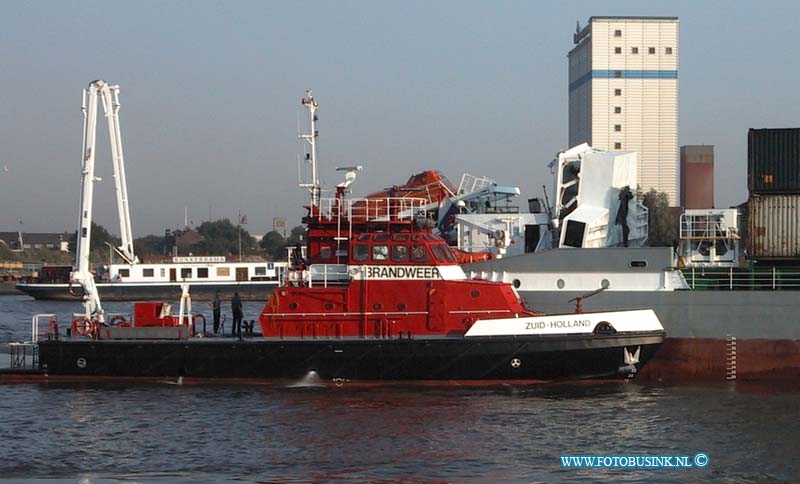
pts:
[771, 279]
[384, 209]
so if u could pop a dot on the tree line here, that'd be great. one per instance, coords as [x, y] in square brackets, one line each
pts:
[214, 238]
[663, 220]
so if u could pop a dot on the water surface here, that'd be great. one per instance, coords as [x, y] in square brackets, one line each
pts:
[163, 432]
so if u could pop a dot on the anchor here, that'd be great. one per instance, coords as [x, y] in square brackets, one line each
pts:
[630, 360]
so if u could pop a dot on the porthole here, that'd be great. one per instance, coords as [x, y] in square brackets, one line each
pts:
[638, 263]
[283, 292]
[516, 283]
[560, 283]
[293, 305]
[476, 293]
[605, 284]
[401, 307]
[376, 306]
[328, 305]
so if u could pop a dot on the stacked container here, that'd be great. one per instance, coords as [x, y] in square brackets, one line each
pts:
[773, 179]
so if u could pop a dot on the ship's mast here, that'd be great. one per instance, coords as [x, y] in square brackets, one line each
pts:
[311, 138]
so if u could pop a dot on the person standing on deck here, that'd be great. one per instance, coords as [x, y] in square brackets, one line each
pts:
[238, 314]
[216, 307]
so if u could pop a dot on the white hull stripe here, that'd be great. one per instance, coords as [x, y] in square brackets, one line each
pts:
[584, 323]
[159, 284]
[407, 273]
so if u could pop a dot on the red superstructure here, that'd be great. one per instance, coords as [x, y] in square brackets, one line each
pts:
[374, 269]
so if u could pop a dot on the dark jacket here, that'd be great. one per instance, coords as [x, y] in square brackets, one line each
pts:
[236, 306]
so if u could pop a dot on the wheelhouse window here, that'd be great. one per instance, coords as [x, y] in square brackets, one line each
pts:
[223, 271]
[259, 271]
[399, 253]
[418, 253]
[400, 237]
[124, 273]
[202, 272]
[186, 273]
[360, 252]
[363, 237]
[380, 252]
[381, 237]
[148, 272]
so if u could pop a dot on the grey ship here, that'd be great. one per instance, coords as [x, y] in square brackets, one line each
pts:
[723, 321]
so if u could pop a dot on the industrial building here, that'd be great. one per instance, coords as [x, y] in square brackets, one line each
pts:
[623, 94]
[697, 176]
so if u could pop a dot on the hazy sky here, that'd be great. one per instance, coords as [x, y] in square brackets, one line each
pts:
[210, 97]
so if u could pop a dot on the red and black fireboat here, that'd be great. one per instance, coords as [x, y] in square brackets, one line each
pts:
[375, 296]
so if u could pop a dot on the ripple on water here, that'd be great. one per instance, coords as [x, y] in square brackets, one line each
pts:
[509, 433]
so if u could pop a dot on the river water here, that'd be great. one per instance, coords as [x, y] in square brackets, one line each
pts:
[163, 432]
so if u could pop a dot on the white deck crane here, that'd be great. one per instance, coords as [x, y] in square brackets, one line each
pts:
[82, 275]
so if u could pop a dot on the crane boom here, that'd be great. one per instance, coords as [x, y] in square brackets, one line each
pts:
[82, 274]
[110, 96]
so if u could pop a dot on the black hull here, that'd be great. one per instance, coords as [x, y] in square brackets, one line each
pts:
[508, 358]
[248, 291]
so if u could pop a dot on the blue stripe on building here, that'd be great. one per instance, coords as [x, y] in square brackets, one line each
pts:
[613, 74]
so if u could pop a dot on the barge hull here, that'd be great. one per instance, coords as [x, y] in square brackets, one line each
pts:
[506, 358]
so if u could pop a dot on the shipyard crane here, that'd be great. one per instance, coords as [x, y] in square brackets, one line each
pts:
[109, 94]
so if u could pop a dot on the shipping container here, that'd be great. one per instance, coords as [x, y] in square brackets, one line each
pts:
[773, 227]
[773, 161]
